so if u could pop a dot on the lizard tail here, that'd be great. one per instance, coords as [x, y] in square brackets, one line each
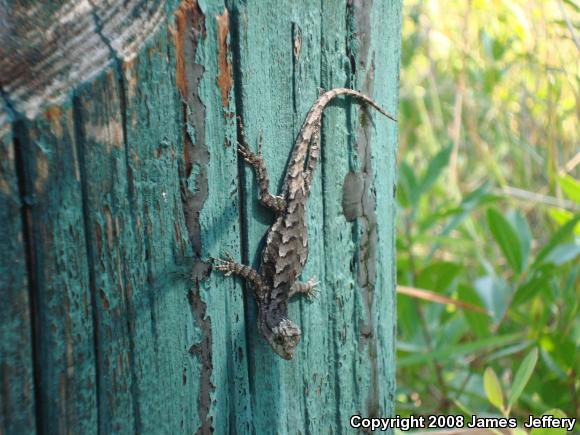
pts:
[306, 149]
[328, 96]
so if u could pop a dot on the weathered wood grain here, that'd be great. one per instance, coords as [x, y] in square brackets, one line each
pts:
[359, 247]
[161, 319]
[111, 239]
[212, 211]
[120, 179]
[49, 48]
[59, 273]
[279, 81]
[180, 140]
[339, 369]
[17, 410]
[155, 146]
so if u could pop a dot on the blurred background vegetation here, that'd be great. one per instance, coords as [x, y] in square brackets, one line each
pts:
[488, 208]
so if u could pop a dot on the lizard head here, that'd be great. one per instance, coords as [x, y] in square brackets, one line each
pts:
[284, 337]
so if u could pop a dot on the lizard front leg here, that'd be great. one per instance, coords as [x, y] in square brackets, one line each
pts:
[308, 288]
[229, 267]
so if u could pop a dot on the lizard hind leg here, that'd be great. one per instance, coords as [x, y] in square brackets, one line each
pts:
[256, 161]
[308, 289]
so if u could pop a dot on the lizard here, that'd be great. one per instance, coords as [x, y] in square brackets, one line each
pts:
[286, 249]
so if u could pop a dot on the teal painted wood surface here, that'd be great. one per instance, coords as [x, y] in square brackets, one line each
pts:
[119, 180]
[16, 364]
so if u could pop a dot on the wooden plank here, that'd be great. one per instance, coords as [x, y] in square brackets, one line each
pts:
[189, 372]
[359, 241]
[211, 209]
[111, 239]
[265, 102]
[339, 367]
[64, 340]
[168, 376]
[312, 379]
[17, 410]
[39, 76]
[170, 351]
[385, 20]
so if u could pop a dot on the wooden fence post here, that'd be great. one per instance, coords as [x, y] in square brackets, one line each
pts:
[119, 179]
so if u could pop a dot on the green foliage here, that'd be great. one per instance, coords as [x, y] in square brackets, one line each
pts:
[523, 376]
[552, 431]
[489, 209]
[493, 389]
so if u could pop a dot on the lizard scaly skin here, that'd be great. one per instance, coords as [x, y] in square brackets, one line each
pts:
[286, 249]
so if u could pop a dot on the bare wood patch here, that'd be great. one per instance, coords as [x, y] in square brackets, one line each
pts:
[224, 78]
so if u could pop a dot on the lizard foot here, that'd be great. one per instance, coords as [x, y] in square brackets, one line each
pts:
[248, 156]
[227, 266]
[311, 289]
[307, 289]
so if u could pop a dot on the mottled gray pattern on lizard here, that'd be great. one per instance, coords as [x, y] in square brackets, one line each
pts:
[286, 249]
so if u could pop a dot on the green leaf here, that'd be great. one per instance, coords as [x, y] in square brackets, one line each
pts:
[560, 215]
[551, 431]
[491, 76]
[470, 202]
[453, 352]
[571, 187]
[462, 407]
[507, 239]
[495, 293]
[438, 276]
[554, 367]
[574, 5]
[535, 284]
[564, 351]
[520, 224]
[407, 191]
[493, 389]
[563, 253]
[509, 350]
[523, 376]
[436, 166]
[478, 322]
[562, 235]
[407, 314]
